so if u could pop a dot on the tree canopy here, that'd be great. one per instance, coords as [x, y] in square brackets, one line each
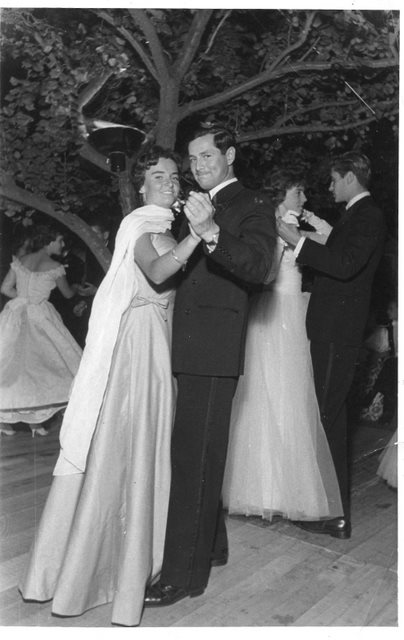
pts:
[293, 84]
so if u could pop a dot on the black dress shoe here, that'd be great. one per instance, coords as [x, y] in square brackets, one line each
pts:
[161, 595]
[220, 561]
[337, 527]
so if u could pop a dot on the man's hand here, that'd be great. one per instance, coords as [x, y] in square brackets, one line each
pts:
[200, 211]
[79, 308]
[288, 232]
[87, 289]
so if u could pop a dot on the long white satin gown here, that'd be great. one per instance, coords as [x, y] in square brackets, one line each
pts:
[101, 534]
[278, 460]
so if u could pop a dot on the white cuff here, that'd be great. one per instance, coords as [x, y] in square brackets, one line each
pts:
[212, 244]
[298, 247]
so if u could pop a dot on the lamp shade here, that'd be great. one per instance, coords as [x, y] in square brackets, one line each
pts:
[107, 140]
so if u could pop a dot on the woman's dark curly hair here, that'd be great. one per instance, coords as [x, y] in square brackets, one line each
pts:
[43, 235]
[280, 181]
[147, 159]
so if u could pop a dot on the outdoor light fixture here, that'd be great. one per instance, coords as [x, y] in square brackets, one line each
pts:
[117, 161]
[117, 142]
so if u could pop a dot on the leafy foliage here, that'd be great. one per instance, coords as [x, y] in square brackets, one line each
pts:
[40, 119]
[295, 85]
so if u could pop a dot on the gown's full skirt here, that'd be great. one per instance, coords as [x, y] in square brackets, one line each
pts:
[38, 356]
[101, 534]
[278, 458]
[388, 465]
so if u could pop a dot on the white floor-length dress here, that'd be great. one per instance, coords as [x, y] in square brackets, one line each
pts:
[278, 460]
[101, 534]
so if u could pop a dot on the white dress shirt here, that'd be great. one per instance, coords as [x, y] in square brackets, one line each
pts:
[221, 186]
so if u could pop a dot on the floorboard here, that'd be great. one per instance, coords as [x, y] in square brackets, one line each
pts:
[277, 576]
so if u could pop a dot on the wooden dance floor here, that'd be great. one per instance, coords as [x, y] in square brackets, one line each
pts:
[277, 575]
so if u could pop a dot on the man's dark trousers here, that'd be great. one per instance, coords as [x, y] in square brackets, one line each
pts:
[195, 527]
[333, 370]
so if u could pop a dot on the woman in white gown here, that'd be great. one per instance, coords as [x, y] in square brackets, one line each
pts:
[102, 530]
[278, 460]
[388, 465]
[38, 356]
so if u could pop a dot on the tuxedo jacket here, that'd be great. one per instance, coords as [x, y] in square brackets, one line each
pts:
[211, 304]
[345, 267]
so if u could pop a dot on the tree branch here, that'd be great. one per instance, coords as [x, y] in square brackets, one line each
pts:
[87, 152]
[301, 40]
[216, 31]
[88, 94]
[272, 132]
[312, 48]
[141, 20]
[269, 76]
[313, 107]
[144, 56]
[8, 189]
[192, 41]
[92, 89]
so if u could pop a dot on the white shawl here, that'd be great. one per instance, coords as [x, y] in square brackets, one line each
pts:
[112, 299]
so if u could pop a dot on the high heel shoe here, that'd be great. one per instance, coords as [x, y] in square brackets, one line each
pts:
[40, 431]
[7, 432]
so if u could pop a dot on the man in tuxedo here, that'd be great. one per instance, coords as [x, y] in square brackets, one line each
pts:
[237, 228]
[338, 308]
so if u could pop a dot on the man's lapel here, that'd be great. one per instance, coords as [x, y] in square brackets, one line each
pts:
[346, 215]
[223, 198]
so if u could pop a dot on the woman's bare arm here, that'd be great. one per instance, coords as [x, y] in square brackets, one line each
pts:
[8, 287]
[67, 290]
[160, 268]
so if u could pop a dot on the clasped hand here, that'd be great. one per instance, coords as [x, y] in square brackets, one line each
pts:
[199, 210]
[288, 232]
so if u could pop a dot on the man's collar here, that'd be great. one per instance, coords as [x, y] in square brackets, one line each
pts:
[221, 186]
[359, 196]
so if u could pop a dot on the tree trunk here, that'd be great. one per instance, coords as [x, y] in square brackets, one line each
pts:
[166, 129]
[126, 193]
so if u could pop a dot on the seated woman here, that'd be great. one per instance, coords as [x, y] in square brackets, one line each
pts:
[101, 535]
[278, 461]
[38, 357]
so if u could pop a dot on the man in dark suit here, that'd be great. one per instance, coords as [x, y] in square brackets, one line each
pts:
[210, 319]
[338, 308]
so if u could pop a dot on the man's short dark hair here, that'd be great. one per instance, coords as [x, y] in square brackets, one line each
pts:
[95, 219]
[358, 163]
[223, 138]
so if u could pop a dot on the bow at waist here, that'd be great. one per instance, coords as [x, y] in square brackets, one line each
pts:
[140, 301]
